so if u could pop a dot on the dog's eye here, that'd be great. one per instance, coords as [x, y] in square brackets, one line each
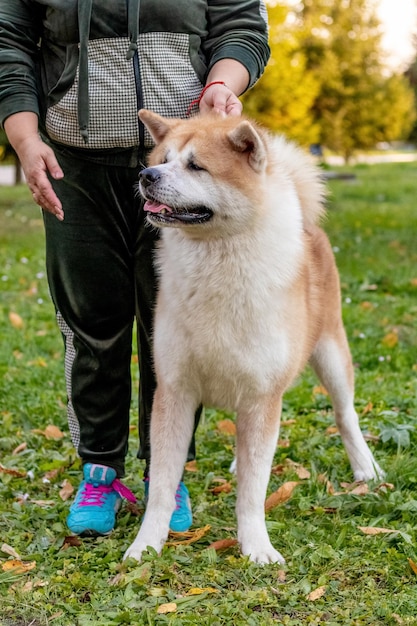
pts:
[193, 166]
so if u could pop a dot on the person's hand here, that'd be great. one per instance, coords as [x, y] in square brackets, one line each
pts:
[37, 160]
[221, 99]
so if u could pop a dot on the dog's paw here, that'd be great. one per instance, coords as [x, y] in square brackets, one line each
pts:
[135, 551]
[373, 472]
[142, 543]
[263, 554]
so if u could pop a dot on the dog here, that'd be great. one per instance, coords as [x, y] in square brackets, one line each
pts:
[248, 294]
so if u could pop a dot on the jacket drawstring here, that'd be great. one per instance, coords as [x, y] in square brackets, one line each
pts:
[84, 20]
[83, 105]
[133, 26]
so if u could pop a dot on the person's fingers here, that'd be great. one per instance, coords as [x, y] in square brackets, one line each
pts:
[221, 99]
[234, 107]
[52, 165]
[44, 195]
[38, 160]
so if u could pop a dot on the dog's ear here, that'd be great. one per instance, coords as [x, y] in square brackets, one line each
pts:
[244, 138]
[157, 125]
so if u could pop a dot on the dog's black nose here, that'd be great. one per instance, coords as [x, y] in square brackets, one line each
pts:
[149, 175]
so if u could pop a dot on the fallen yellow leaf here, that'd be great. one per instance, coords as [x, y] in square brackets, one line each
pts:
[412, 565]
[53, 432]
[44, 502]
[188, 537]
[191, 466]
[319, 389]
[332, 430]
[196, 591]
[316, 593]
[389, 486]
[374, 530]
[288, 422]
[367, 306]
[224, 487]
[360, 490]
[51, 474]
[66, 490]
[390, 340]
[12, 472]
[19, 448]
[368, 408]
[50, 432]
[15, 320]
[227, 427]
[282, 576]
[223, 544]
[30, 585]
[18, 567]
[283, 443]
[301, 471]
[10, 551]
[281, 495]
[169, 607]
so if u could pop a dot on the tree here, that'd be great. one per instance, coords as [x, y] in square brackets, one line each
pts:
[327, 82]
[411, 75]
[358, 103]
[283, 98]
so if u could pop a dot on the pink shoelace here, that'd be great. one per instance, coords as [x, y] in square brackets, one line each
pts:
[94, 495]
[178, 498]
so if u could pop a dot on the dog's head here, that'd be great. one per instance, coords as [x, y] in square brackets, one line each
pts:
[204, 174]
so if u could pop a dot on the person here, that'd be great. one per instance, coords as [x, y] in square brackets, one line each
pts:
[72, 78]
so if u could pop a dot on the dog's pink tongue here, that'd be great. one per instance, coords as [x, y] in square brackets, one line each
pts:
[155, 207]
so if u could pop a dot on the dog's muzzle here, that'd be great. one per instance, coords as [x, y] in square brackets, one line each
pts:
[159, 212]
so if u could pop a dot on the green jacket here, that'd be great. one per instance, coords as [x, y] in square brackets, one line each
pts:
[87, 67]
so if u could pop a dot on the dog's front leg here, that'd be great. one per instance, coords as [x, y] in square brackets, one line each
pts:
[257, 435]
[171, 431]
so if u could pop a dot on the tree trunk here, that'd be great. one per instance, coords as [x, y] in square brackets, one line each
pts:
[17, 171]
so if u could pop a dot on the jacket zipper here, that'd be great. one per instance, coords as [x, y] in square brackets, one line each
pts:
[139, 96]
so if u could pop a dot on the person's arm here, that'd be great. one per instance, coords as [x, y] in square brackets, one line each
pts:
[223, 98]
[237, 49]
[36, 158]
[20, 32]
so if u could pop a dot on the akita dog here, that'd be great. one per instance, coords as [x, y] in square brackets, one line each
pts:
[249, 293]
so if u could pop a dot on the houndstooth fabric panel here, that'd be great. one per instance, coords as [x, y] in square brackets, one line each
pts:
[113, 102]
[166, 71]
[73, 424]
[166, 74]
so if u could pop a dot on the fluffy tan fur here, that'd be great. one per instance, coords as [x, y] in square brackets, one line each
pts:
[249, 293]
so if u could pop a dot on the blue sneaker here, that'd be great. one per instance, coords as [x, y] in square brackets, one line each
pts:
[182, 517]
[97, 501]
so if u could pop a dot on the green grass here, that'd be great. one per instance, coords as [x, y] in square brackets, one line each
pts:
[367, 580]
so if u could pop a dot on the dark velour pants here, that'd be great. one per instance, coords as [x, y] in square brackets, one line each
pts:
[101, 277]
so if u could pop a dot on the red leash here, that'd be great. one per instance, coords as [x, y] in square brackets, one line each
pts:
[198, 100]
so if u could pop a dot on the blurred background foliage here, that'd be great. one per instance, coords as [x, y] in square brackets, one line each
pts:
[328, 81]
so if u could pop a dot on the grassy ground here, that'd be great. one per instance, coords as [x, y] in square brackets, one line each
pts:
[336, 572]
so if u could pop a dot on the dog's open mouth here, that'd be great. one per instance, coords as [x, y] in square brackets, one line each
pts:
[163, 214]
